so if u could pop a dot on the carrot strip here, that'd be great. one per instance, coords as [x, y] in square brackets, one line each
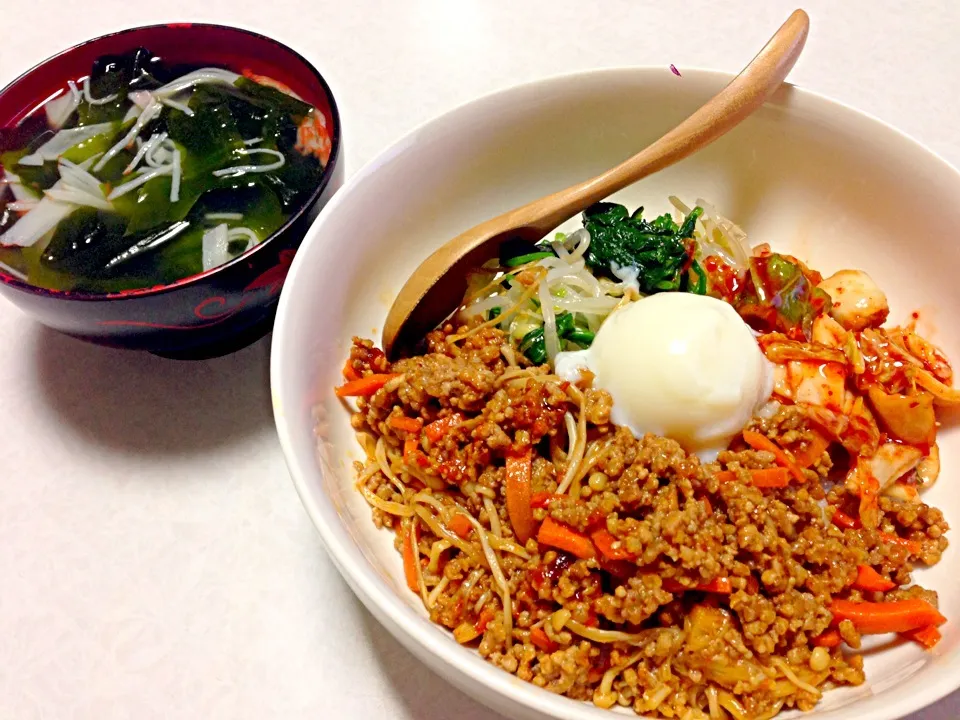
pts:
[707, 505]
[872, 618]
[438, 428]
[766, 478]
[410, 446]
[828, 639]
[606, 542]
[927, 636]
[407, 424]
[410, 561]
[365, 386]
[844, 521]
[519, 470]
[809, 455]
[872, 581]
[486, 617]
[912, 546]
[348, 372]
[762, 442]
[542, 499]
[770, 478]
[460, 526]
[539, 637]
[720, 585]
[562, 537]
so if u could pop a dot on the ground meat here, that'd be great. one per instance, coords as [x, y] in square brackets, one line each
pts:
[672, 578]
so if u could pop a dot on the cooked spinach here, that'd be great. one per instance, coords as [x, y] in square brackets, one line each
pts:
[535, 348]
[657, 248]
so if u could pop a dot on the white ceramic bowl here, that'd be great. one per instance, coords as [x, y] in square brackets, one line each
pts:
[806, 174]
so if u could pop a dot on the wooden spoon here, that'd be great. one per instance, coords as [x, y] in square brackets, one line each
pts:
[438, 285]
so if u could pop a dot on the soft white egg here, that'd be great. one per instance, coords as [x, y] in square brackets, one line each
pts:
[678, 365]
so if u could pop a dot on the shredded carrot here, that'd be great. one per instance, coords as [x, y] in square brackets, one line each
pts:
[539, 637]
[407, 424]
[486, 617]
[438, 428]
[767, 478]
[828, 639]
[762, 442]
[912, 546]
[519, 470]
[365, 386]
[410, 447]
[870, 580]
[542, 499]
[460, 526]
[844, 521]
[348, 372]
[814, 449]
[609, 545]
[706, 504]
[562, 537]
[720, 585]
[927, 636]
[872, 618]
[410, 561]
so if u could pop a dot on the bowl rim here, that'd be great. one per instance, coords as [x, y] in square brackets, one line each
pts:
[407, 625]
[154, 290]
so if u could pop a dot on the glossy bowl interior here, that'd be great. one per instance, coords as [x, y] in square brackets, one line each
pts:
[213, 310]
[812, 177]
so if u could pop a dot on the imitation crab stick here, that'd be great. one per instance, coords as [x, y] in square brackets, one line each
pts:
[762, 442]
[872, 618]
[519, 470]
[365, 386]
[562, 537]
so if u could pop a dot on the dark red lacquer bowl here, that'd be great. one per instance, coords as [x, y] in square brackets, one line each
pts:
[217, 311]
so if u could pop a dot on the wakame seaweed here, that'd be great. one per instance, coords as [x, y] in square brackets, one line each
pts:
[224, 149]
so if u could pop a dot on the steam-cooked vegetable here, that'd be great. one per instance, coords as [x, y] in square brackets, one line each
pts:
[656, 252]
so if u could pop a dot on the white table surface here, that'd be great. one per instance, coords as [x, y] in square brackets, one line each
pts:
[155, 561]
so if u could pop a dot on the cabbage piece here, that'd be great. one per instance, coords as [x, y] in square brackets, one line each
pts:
[781, 294]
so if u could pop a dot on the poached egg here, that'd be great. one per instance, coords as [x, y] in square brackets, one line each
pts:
[678, 365]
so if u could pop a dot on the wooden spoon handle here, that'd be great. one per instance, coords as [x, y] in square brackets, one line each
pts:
[745, 93]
